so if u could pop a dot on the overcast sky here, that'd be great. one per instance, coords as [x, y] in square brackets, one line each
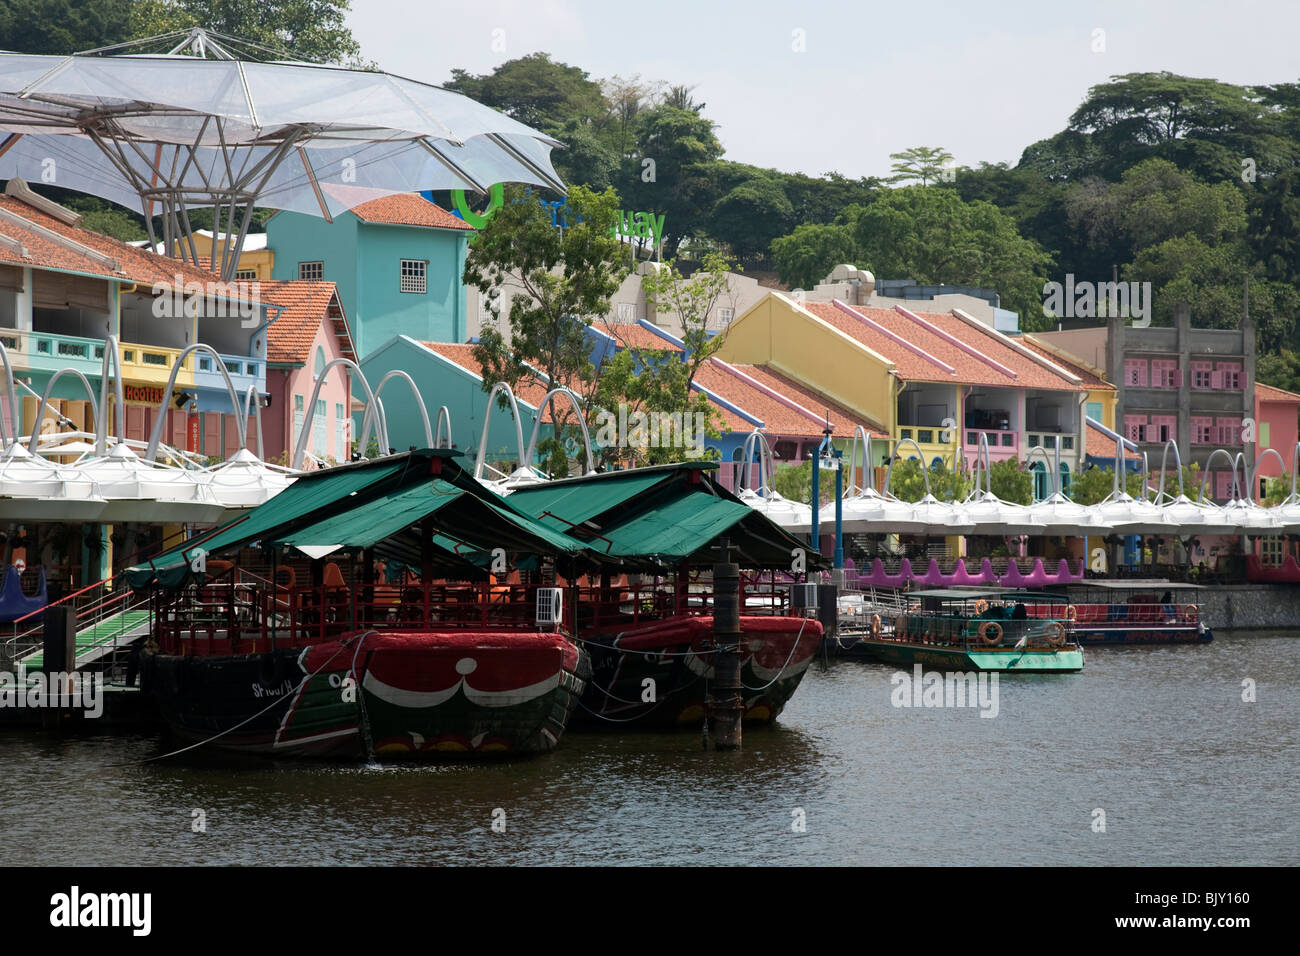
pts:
[983, 80]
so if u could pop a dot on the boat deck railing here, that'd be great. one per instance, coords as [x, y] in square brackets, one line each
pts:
[973, 633]
[237, 615]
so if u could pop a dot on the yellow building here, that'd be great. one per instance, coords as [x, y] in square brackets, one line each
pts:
[255, 262]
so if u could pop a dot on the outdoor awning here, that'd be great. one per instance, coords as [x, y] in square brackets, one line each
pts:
[565, 504]
[304, 497]
[472, 520]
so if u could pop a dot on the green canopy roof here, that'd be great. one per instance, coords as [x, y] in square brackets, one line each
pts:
[481, 524]
[678, 528]
[564, 504]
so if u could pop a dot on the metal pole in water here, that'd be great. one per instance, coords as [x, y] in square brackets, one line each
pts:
[726, 707]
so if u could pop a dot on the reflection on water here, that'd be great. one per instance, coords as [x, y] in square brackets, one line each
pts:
[1158, 738]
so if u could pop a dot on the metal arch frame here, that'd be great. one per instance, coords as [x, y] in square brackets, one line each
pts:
[1178, 463]
[156, 435]
[1295, 460]
[1205, 479]
[301, 447]
[866, 460]
[1254, 473]
[250, 398]
[12, 394]
[443, 411]
[371, 414]
[119, 409]
[757, 441]
[1053, 474]
[45, 402]
[982, 467]
[481, 457]
[925, 471]
[576, 404]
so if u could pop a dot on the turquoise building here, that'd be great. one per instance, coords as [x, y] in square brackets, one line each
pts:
[397, 263]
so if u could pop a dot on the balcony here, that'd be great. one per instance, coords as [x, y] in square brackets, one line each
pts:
[244, 371]
[1047, 441]
[152, 365]
[929, 437]
[49, 352]
[1002, 442]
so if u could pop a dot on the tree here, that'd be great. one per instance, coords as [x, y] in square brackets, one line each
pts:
[750, 216]
[1011, 481]
[60, 27]
[537, 91]
[567, 277]
[807, 255]
[679, 98]
[919, 163]
[932, 236]
[908, 482]
[681, 147]
[313, 30]
[1095, 484]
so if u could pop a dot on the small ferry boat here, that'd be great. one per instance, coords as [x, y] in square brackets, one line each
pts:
[979, 629]
[1135, 611]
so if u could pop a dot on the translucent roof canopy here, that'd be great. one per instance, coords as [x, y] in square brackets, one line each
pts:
[166, 133]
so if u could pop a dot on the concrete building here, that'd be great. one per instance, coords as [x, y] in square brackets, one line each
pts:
[397, 263]
[858, 287]
[1195, 386]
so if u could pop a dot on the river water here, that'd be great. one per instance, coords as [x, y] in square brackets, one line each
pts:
[1157, 739]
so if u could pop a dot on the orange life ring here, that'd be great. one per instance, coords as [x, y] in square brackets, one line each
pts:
[1071, 612]
[875, 625]
[991, 627]
[1056, 634]
[1192, 613]
[286, 569]
[981, 606]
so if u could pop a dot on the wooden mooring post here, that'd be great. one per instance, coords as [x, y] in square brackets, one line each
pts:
[726, 706]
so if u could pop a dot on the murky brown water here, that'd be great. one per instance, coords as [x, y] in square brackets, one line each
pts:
[1158, 738]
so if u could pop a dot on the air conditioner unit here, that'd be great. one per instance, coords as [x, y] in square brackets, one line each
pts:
[803, 598]
[550, 607]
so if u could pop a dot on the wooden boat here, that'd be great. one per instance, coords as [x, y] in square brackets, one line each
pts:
[673, 659]
[1135, 612]
[978, 629]
[260, 644]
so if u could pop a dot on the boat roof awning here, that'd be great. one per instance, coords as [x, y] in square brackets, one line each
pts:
[661, 515]
[458, 517]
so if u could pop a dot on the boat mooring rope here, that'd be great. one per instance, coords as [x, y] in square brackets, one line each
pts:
[279, 700]
[783, 666]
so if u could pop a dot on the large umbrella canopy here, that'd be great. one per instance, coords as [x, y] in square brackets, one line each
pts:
[1192, 518]
[1128, 515]
[1058, 515]
[138, 490]
[32, 488]
[245, 481]
[791, 515]
[990, 515]
[169, 132]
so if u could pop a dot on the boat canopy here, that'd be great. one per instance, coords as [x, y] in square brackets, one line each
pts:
[666, 514]
[995, 594]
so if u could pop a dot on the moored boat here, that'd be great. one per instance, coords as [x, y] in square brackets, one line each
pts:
[1135, 611]
[971, 629]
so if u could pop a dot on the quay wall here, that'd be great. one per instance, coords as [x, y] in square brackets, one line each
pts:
[1252, 607]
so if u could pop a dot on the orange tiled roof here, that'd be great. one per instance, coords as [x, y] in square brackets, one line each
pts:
[1090, 379]
[1100, 445]
[635, 336]
[1268, 393]
[408, 209]
[289, 338]
[970, 370]
[778, 418]
[134, 264]
[463, 355]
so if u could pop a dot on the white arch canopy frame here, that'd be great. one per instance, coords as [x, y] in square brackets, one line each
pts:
[196, 126]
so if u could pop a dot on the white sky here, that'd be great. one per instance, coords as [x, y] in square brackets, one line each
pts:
[983, 80]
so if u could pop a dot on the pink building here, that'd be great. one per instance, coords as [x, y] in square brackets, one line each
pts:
[311, 331]
[1276, 415]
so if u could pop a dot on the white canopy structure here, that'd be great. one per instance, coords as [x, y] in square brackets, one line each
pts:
[127, 482]
[31, 488]
[196, 124]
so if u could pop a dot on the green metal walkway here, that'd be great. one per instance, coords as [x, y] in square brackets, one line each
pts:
[100, 638]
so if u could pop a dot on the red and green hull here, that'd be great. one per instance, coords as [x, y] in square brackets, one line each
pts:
[656, 677]
[393, 695]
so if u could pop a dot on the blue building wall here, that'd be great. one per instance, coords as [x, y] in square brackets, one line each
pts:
[442, 382]
[363, 259]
